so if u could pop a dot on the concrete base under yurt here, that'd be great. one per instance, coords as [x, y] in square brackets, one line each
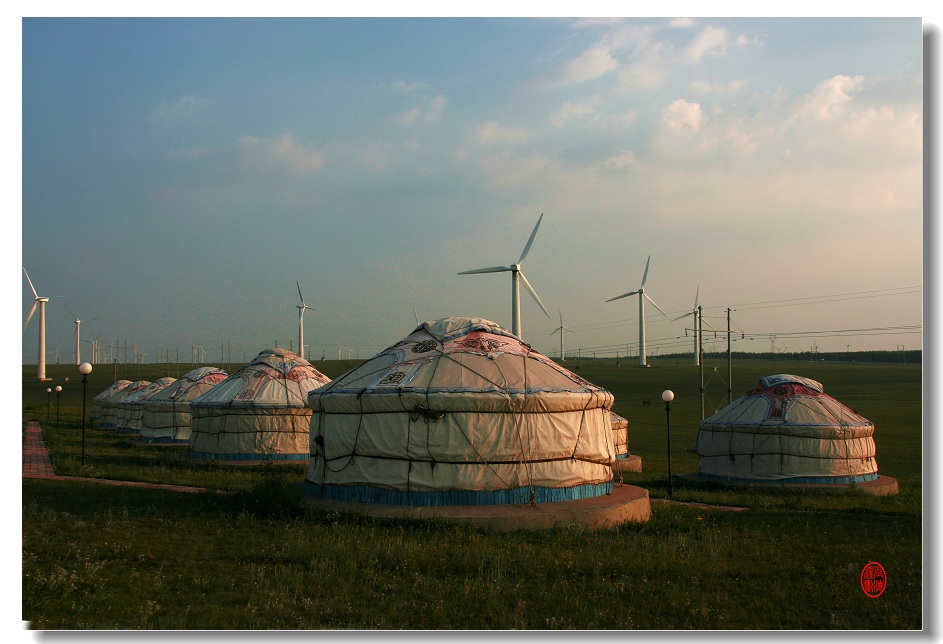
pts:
[881, 486]
[626, 504]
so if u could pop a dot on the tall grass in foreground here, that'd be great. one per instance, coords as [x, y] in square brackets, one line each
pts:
[96, 557]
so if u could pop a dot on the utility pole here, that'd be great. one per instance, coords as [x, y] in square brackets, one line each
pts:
[729, 363]
[700, 355]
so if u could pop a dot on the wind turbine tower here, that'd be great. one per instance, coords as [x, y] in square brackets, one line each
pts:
[561, 329]
[41, 303]
[516, 278]
[77, 336]
[301, 321]
[642, 296]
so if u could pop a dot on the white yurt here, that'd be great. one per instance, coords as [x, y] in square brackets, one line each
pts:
[110, 406]
[131, 409]
[460, 413]
[96, 412]
[625, 461]
[786, 429]
[166, 415]
[258, 413]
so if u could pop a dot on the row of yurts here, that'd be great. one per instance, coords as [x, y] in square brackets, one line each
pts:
[461, 411]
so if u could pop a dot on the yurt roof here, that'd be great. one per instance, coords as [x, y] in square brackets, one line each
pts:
[455, 357]
[115, 387]
[190, 383]
[274, 378]
[787, 400]
[129, 390]
[148, 390]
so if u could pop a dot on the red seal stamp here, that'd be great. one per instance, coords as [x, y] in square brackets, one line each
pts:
[873, 579]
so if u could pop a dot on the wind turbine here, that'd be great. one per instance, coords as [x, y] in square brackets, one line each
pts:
[301, 321]
[41, 302]
[642, 296]
[697, 317]
[561, 329]
[77, 335]
[516, 278]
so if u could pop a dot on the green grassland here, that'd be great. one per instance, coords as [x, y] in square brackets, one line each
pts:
[107, 557]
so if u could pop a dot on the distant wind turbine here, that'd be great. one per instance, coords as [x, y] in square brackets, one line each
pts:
[560, 329]
[77, 335]
[698, 316]
[516, 278]
[41, 303]
[301, 321]
[642, 296]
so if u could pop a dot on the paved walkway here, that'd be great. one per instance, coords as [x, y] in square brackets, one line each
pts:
[37, 465]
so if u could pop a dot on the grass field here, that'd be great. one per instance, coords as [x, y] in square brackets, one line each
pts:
[104, 557]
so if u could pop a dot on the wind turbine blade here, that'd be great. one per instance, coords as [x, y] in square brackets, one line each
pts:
[35, 294]
[531, 240]
[533, 293]
[299, 292]
[490, 269]
[70, 312]
[683, 316]
[645, 274]
[706, 322]
[30, 316]
[653, 303]
[619, 297]
[416, 315]
[696, 294]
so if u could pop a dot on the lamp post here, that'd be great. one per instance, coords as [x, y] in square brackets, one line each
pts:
[667, 395]
[85, 368]
[48, 403]
[58, 391]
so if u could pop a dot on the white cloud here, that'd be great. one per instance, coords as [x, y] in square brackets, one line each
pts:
[491, 134]
[432, 112]
[731, 87]
[578, 110]
[711, 41]
[681, 23]
[681, 114]
[592, 63]
[829, 98]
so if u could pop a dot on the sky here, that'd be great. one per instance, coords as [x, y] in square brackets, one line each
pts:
[180, 175]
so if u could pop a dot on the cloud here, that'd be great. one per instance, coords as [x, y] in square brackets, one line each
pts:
[183, 106]
[681, 114]
[432, 112]
[491, 134]
[681, 23]
[711, 41]
[731, 87]
[578, 110]
[283, 151]
[829, 98]
[592, 63]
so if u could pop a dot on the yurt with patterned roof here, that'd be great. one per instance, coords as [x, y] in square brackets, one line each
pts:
[258, 413]
[96, 407]
[131, 409]
[109, 407]
[461, 412]
[786, 430]
[165, 416]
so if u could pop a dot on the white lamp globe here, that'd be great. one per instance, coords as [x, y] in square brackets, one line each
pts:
[85, 368]
[667, 395]
[58, 388]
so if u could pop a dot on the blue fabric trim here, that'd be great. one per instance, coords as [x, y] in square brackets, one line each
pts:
[797, 480]
[516, 496]
[209, 456]
[622, 456]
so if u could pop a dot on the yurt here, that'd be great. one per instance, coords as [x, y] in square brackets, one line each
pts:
[165, 416]
[130, 410]
[110, 406]
[258, 413]
[96, 413]
[787, 430]
[461, 413]
[625, 462]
